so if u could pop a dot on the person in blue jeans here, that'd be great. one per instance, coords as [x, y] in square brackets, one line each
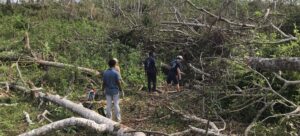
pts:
[174, 75]
[111, 88]
[150, 71]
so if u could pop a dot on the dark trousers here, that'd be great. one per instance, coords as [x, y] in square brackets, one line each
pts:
[151, 79]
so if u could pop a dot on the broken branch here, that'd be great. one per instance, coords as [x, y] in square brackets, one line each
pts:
[27, 117]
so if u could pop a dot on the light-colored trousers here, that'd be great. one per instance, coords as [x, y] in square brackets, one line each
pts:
[109, 100]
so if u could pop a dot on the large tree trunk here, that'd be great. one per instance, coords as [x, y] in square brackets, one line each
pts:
[100, 128]
[113, 127]
[275, 64]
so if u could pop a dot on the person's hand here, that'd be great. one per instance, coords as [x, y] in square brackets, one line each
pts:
[122, 93]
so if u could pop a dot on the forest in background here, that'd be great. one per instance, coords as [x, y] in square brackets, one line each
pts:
[241, 64]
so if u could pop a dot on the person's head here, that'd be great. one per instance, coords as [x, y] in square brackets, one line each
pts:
[151, 54]
[112, 63]
[179, 58]
[117, 61]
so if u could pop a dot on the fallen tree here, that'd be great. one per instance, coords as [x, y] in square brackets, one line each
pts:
[95, 121]
[48, 63]
[275, 64]
[100, 128]
[112, 126]
[62, 65]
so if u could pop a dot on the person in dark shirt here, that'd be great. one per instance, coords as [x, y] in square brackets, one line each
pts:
[150, 71]
[174, 75]
[111, 88]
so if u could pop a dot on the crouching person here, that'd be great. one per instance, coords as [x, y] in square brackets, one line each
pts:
[111, 88]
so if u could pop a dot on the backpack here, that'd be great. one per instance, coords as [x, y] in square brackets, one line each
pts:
[173, 67]
[165, 68]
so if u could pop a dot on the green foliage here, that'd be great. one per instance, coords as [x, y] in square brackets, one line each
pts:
[258, 14]
[291, 49]
[286, 126]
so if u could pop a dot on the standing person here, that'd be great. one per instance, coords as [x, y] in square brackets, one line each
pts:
[174, 74]
[150, 71]
[111, 88]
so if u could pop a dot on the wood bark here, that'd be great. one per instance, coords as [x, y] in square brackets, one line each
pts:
[100, 128]
[113, 127]
[275, 64]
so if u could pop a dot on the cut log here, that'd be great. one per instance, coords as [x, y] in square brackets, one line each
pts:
[275, 64]
[100, 128]
[113, 127]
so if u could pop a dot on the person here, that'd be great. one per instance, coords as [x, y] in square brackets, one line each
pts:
[111, 88]
[174, 74]
[91, 91]
[150, 71]
[117, 67]
[90, 96]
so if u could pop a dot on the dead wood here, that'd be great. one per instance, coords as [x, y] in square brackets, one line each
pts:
[205, 132]
[8, 105]
[219, 17]
[27, 117]
[100, 128]
[256, 118]
[113, 127]
[194, 118]
[196, 70]
[43, 116]
[275, 64]
[62, 65]
[50, 63]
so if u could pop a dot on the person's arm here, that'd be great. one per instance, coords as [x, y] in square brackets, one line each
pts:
[119, 83]
[103, 88]
[145, 66]
[120, 86]
[154, 66]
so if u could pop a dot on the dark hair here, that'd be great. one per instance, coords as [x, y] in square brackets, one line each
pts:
[112, 63]
[151, 53]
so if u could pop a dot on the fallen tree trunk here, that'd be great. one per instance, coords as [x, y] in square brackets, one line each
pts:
[113, 127]
[13, 57]
[62, 65]
[100, 128]
[275, 64]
